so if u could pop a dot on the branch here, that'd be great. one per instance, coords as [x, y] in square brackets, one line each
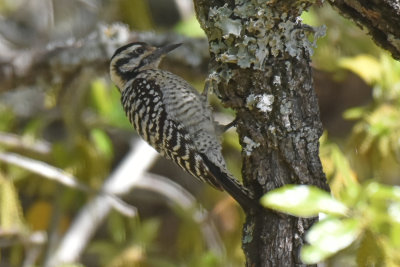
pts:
[16, 141]
[181, 197]
[58, 60]
[120, 182]
[53, 173]
[380, 18]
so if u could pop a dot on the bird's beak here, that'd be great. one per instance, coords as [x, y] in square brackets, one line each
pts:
[160, 52]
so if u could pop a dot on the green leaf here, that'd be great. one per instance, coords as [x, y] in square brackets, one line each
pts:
[354, 113]
[328, 237]
[395, 231]
[303, 201]
[313, 254]
[344, 170]
[379, 191]
[100, 97]
[209, 259]
[102, 142]
[11, 216]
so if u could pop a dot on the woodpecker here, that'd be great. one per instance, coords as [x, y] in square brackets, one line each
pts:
[169, 114]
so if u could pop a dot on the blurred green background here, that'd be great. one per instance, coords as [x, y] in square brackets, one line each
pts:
[85, 133]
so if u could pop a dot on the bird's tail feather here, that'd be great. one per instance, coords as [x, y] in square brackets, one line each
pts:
[232, 186]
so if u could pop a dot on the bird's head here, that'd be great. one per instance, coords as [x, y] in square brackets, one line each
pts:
[133, 58]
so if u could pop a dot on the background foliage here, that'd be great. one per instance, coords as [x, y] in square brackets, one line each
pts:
[83, 131]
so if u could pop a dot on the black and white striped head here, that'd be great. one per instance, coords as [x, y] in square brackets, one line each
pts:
[133, 58]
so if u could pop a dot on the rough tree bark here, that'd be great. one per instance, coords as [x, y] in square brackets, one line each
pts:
[260, 61]
[380, 18]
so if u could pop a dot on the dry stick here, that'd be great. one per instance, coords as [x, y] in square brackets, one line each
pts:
[121, 181]
[185, 200]
[54, 62]
[151, 182]
[53, 173]
[14, 140]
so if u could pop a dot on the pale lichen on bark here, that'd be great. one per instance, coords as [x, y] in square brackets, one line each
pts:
[250, 145]
[246, 34]
[262, 102]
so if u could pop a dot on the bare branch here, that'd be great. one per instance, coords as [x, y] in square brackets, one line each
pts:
[57, 61]
[121, 181]
[380, 18]
[36, 238]
[16, 141]
[181, 197]
[59, 175]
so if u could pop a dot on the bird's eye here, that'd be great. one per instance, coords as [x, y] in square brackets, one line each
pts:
[139, 50]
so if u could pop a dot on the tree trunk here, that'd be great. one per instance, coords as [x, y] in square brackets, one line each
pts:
[260, 61]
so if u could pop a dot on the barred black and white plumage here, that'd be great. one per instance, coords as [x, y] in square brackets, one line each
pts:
[172, 116]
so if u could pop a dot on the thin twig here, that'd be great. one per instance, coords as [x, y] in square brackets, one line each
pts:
[53, 173]
[185, 200]
[121, 181]
[16, 141]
